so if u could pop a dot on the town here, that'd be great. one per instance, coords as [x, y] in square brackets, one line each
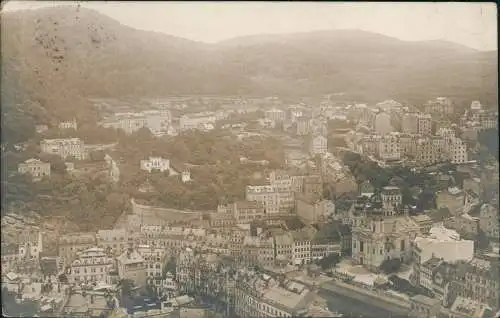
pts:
[255, 207]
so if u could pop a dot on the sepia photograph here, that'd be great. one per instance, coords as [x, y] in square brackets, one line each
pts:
[206, 159]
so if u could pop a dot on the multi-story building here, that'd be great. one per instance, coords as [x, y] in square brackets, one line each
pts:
[90, 265]
[389, 147]
[446, 133]
[441, 107]
[409, 123]
[383, 124]
[64, 147]
[408, 145]
[424, 307]
[245, 212]
[263, 297]
[113, 242]
[283, 247]
[193, 121]
[155, 163]
[392, 199]
[131, 265]
[258, 250]
[303, 125]
[313, 210]
[72, 124]
[301, 253]
[37, 168]
[424, 124]
[457, 150]
[318, 145]
[72, 243]
[488, 219]
[157, 121]
[276, 115]
[370, 145]
[286, 182]
[273, 200]
[441, 242]
[154, 259]
[383, 238]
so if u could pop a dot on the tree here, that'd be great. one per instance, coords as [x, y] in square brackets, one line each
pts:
[389, 266]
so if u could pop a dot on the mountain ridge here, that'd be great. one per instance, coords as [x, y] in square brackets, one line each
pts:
[60, 56]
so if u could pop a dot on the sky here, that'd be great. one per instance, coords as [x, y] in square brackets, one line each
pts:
[471, 24]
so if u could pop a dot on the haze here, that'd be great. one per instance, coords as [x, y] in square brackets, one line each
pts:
[470, 24]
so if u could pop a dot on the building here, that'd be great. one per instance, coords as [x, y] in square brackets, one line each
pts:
[274, 201]
[41, 128]
[72, 243]
[424, 124]
[318, 145]
[389, 147]
[30, 244]
[303, 125]
[186, 176]
[154, 259]
[68, 125]
[275, 115]
[302, 246]
[157, 121]
[424, 223]
[424, 307]
[131, 265]
[312, 210]
[283, 247]
[113, 242]
[382, 124]
[383, 238]
[245, 212]
[64, 147]
[443, 243]
[457, 150]
[263, 297]
[440, 107]
[193, 121]
[488, 219]
[37, 168]
[258, 250]
[155, 163]
[409, 123]
[392, 199]
[90, 266]
[464, 307]
[286, 182]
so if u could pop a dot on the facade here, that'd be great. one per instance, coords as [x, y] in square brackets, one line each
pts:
[64, 147]
[274, 201]
[68, 125]
[186, 176]
[392, 199]
[113, 242]
[245, 212]
[409, 123]
[457, 150]
[424, 124]
[275, 115]
[157, 121]
[37, 168]
[488, 220]
[154, 259]
[193, 121]
[441, 107]
[71, 244]
[90, 265]
[383, 124]
[379, 239]
[131, 265]
[155, 163]
[311, 210]
[318, 146]
[389, 147]
[303, 125]
[424, 307]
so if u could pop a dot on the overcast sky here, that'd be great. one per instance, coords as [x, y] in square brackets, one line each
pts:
[470, 24]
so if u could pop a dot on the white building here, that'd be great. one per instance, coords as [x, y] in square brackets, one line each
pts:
[382, 123]
[274, 201]
[37, 168]
[390, 147]
[157, 121]
[91, 265]
[194, 121]
[186, 176]
[155, 163]
[68, 125]
[443, 243]
[275, 115]
[319, 145]
[457, 150]
[424, 124]
[64, 147]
